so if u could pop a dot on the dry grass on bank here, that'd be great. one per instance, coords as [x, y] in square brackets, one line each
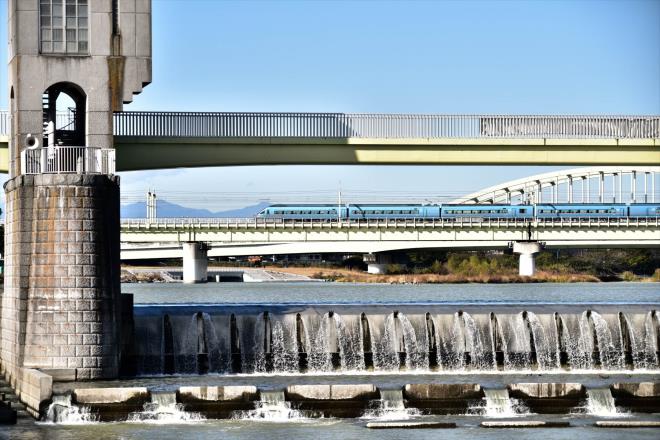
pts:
[354, 276]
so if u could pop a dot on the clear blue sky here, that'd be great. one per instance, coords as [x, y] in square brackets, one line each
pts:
[554, 57]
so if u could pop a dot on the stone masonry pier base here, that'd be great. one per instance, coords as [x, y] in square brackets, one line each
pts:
[61, 303]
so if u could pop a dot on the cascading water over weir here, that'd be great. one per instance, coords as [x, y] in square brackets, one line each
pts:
[293, 339]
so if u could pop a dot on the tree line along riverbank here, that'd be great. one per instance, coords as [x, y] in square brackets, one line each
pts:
[565, 266]
[497, 267]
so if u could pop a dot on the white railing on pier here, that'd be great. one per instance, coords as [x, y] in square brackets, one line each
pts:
[68, 160]
[392, 126]
[5, 126]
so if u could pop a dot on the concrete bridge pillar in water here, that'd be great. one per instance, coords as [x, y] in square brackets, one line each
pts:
[61, 305]
[195, 262]
[526, 250]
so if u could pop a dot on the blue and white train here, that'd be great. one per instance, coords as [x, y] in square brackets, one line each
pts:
[351, 212]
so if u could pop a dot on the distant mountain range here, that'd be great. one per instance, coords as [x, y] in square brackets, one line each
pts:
[167, 209]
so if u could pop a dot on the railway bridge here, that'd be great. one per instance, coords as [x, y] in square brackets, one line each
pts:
[194, 239]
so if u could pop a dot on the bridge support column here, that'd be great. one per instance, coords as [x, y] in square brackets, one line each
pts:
[61, 304]
[377, 263]
[526, 250]
[195, 262]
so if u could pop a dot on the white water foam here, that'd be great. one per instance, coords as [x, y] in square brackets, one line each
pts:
[272, 407]
[601, 403]
[498, 404]
[63, 411]
[391, 407]
[163, 409]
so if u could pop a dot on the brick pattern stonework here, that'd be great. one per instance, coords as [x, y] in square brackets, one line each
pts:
[61, 303]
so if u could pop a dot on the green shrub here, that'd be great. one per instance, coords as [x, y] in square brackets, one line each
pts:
[395, 269]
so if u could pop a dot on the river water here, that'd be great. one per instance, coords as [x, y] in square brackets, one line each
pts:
[355, 293]
[310, 293]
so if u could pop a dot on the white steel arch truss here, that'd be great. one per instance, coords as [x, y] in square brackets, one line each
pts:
[615, 184]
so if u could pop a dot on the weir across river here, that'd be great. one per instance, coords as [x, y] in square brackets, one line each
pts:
[361, 338]
[66, 327]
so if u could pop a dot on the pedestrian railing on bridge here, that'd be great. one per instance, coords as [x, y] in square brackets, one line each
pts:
[376, 126]
[389, 126]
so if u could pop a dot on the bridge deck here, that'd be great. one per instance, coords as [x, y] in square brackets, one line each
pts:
[156, 140]
[162, 238]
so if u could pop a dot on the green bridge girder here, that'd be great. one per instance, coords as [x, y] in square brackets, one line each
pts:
[149, 153]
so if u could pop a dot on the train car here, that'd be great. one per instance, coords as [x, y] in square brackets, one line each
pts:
[303, 212]
[574, 210]
[487, 211]
[644, 210]
[379, 212]
[329, 213]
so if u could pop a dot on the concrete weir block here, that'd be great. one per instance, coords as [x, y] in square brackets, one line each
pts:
[109, 395]
[436, 391]
[627, 424]
[331, 392]
[547, 390]
[524, 424]
[548, 398]
[243, 393]
[643, 397]
[411, 425]
[36, 388]
[643, 389]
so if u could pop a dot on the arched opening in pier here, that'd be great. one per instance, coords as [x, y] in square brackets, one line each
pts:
[64, 108]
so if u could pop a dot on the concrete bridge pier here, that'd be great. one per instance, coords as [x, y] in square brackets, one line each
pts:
[526, 250]
[377, 263]
[61, 306]
[195, 262]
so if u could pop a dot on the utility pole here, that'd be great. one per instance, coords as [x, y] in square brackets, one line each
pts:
[339, 206]
[151, 206]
